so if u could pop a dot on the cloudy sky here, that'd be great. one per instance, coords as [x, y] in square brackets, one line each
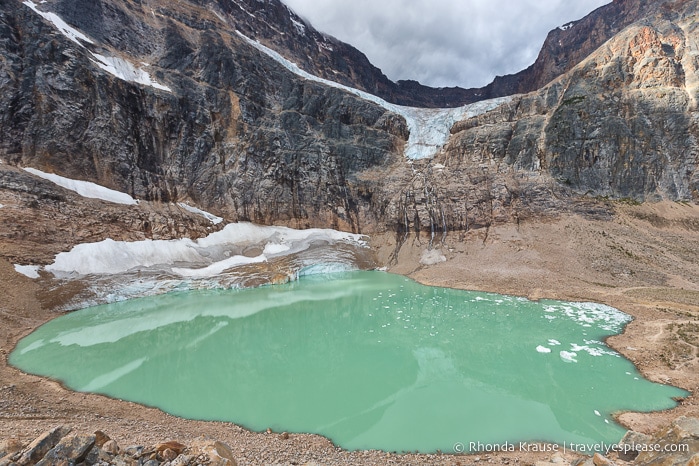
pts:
[444, 42]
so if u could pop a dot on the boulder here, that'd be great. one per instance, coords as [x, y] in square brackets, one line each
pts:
[219, 453]
[101, 438]
[631, 444]
[600, 460]
[111, 447]
[681, 440]
[73, 449]
[36, 450]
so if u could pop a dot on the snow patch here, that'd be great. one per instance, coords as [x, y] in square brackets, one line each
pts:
[85, 188]
[429, 127]
[206, 257]
[1, 206]
[68, 31]
[300, 27]
[211, 217]
[543, 349]
[126, 71]
[565, 27]
[31, 271]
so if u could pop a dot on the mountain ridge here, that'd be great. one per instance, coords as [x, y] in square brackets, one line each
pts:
[222, 125]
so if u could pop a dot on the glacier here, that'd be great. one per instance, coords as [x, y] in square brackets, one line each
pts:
[429, 127]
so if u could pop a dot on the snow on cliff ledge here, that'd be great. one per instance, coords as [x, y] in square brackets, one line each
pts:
[85, 188]
[118, 67]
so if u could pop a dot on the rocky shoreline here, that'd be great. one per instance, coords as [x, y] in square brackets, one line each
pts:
[638, 261]
[677, 445]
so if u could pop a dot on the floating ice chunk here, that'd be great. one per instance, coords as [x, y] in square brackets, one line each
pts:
[31, 271]
[126, 71]
[553, 342]
[568, 356]
[588, 314]
[593, 351]
[597, 413]
[543, 349]
[68, 31]
[211, 217]
[86, 188]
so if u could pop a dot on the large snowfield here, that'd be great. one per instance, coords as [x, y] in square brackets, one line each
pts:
[205, 257]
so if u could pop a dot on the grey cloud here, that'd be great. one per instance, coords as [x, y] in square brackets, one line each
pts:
[444, 42]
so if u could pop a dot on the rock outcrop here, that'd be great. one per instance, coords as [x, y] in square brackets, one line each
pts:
[622, 124]
[57, 447]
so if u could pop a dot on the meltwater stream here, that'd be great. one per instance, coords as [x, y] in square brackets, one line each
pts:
[369, 359]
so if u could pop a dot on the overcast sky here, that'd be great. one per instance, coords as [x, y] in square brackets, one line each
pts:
[462, 43]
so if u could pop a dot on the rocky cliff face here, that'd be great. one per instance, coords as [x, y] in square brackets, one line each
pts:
[221, 124]
[566, 46]
[169, 103]
[621, 124]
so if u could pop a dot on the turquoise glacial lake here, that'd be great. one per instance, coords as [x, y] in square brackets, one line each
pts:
[369, 359]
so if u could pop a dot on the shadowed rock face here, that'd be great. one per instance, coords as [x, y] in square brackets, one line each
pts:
[238, 134]
[232, 131]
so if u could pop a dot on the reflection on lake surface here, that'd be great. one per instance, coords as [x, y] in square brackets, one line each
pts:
[369, 359]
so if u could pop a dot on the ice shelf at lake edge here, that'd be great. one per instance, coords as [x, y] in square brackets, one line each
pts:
[429, 127]
[205, 257]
